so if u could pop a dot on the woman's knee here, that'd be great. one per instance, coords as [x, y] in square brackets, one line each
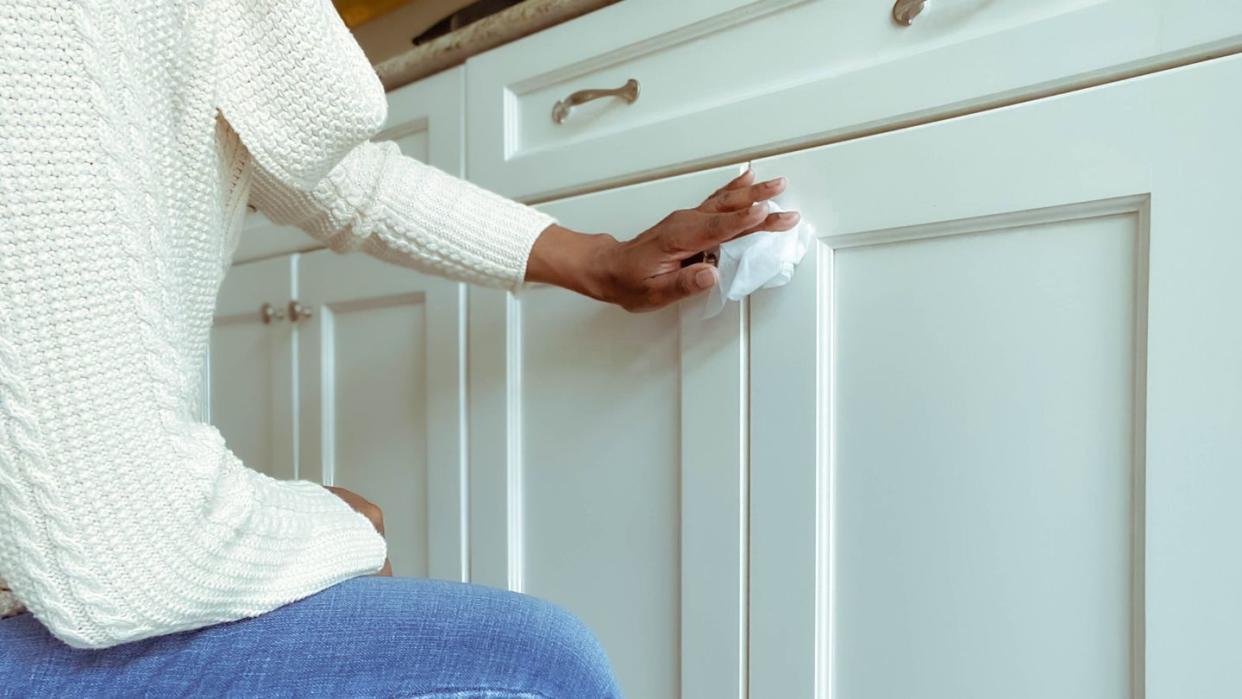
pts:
[573, 664]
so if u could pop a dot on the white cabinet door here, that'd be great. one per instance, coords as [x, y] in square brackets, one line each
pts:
[997, 416]
[251, 368]
[608, 470]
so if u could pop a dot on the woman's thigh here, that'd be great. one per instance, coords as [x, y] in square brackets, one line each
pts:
[368, 636]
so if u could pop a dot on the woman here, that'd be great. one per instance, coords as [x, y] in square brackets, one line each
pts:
[149, 558]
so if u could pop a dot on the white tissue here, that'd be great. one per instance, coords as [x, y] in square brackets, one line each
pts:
[761, 260]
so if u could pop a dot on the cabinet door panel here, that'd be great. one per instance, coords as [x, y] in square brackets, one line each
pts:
[608, 473]
[251, 369]
[984, 433]
[381, 390]
[975, 470]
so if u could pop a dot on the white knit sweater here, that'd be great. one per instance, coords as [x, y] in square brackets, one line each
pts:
[132, 133]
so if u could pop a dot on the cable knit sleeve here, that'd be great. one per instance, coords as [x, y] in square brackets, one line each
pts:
[393, 207]
[301, 95]
[295, 85]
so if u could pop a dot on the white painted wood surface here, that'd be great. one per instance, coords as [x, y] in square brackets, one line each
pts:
[608, 462]
[252, 369]
[986, 444]
[726, 79]
[382, 401]
[995, 416]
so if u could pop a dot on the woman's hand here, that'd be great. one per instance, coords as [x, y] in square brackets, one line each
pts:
[645, 273]
[370, 510]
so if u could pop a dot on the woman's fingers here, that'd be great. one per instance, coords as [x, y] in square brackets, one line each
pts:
[695, 231]
[741, 197]
[774, 223]
[743, 180]
[674, 286]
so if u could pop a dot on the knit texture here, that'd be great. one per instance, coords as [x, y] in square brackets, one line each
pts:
[132, 133]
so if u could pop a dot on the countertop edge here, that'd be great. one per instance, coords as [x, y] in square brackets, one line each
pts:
[501, 28]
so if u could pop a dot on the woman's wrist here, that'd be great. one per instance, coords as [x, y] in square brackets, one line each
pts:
[572, 260]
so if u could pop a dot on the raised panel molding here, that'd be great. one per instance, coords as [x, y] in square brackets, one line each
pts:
[1115, 333]
[609, 464]
[874, 491]
[715, 491]
[365, 386]
[365, 394]
[251, 369]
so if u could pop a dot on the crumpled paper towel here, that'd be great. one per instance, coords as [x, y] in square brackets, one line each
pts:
[761, 260]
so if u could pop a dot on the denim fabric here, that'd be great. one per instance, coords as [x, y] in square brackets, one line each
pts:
[368, 636]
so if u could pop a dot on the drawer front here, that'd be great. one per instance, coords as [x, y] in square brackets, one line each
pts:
[424, 118]
[721, 80]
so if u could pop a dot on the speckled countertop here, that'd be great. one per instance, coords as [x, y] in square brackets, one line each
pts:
[455, 47]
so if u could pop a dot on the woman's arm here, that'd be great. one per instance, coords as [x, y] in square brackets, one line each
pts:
[395, 208]
[646, 273]
[299, 92]
[388, 205]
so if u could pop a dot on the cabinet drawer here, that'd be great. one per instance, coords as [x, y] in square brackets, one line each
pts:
[720, 80]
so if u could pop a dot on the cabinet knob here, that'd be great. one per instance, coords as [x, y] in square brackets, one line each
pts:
[904, 11]
[627, 92]
[268, 313]
[298, 311]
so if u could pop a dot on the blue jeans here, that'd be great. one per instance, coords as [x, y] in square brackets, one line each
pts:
[365, 637]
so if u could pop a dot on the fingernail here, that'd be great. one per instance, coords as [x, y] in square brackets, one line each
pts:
[704, 278]
[778, 182]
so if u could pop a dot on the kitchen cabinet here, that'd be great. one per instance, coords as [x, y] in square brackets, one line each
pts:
[381, 400]
[994, 419]
[719, 80]
[984, 444]
[251, 370]
[608, 462]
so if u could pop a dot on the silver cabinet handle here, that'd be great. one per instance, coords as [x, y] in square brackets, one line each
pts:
[627, 92]
[904, 11]
[268, 313]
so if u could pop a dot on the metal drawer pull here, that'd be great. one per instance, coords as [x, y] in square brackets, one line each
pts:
[904, 11]
[627, 92]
